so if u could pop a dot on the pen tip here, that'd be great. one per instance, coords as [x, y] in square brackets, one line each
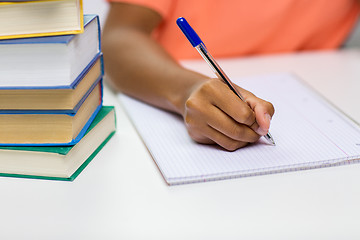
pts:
[270, 139]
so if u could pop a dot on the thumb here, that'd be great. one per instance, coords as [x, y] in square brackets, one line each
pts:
[263, 110]
[263, 113]
[263, 120]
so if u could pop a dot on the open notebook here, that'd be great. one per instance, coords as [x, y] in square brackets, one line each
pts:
[309, 133]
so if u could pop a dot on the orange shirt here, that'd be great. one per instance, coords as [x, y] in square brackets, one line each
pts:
[245, 27]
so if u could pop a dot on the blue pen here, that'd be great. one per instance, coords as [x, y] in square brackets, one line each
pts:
[196, 42]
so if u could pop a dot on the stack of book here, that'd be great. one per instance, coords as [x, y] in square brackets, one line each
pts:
[52, 121]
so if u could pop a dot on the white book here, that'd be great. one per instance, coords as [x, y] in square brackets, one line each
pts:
[49, 62]
[309, 133]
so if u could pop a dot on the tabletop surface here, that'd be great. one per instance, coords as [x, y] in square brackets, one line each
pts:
[121, 193]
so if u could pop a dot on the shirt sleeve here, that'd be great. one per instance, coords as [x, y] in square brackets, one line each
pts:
[162, 7]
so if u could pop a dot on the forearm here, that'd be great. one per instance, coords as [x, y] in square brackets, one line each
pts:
[138, 66]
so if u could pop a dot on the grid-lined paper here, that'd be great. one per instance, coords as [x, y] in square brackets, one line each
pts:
[309, 133]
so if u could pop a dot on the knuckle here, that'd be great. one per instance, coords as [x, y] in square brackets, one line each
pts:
[195, 105]
[188, 120]
[191, 103]
[192, 123]
[248, 116]
[194, 111]
[236, 131]
[208, 87]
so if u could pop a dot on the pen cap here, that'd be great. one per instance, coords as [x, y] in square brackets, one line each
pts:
[191, 35]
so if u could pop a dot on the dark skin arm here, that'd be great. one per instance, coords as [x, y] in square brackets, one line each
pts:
[138, 66]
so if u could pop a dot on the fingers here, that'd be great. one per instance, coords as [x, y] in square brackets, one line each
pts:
[212, 136]
[230, 104]
[222, 130]
[226, 125]
[263, 111]
[214, 114]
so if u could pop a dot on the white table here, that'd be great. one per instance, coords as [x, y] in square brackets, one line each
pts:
[121, 194]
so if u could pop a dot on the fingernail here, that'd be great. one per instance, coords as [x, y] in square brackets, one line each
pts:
[262, 131]
[267, 118]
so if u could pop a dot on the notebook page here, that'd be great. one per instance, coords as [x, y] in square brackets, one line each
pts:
[309, 133]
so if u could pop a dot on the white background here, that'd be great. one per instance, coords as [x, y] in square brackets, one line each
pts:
[121, 194]
[99, 7]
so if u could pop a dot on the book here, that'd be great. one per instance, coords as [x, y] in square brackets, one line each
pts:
[66, 99]
[49, 128]
[59, 163]
[309, 133]
[48, 62]
[20, 19]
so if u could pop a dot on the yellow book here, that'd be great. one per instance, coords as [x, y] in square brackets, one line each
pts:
[51, 127]
[22, 19]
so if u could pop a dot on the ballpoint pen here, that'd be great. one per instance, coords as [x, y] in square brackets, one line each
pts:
[196, 42]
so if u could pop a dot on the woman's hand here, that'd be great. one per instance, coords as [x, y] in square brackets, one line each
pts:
[214, 114]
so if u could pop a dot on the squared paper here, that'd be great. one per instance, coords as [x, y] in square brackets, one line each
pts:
[308, 131]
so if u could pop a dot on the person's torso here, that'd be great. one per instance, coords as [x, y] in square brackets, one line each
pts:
[246, 27]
